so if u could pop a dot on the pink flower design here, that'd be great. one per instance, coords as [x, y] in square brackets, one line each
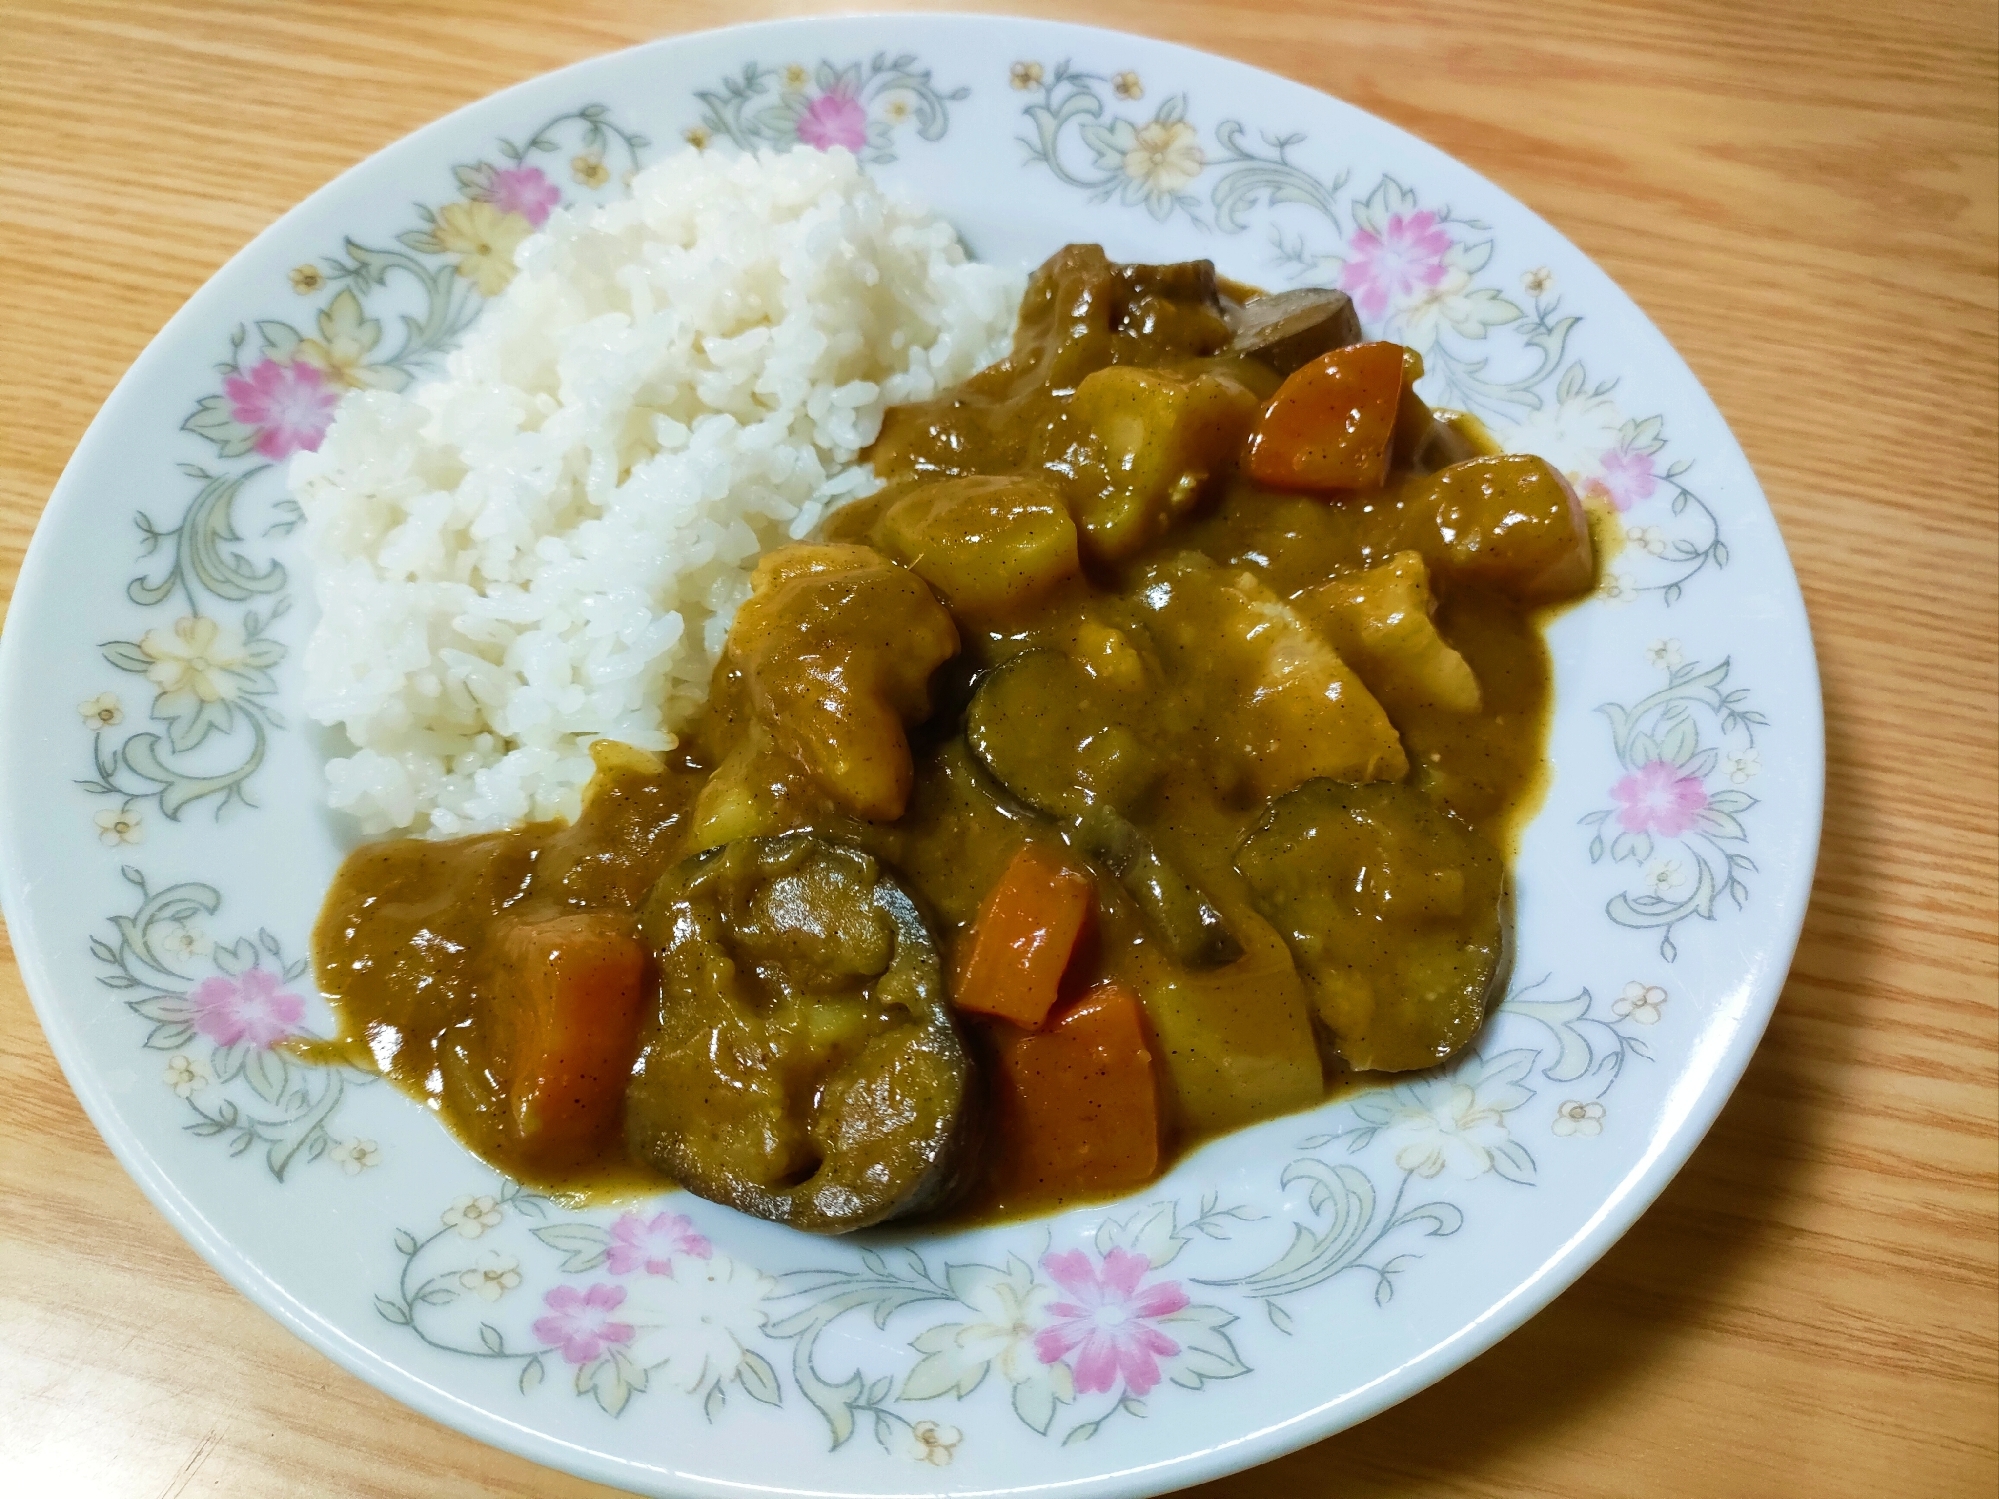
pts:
[1627, 478]
[650, 1244]
[289, 404]
[523, 190]
[835, 118]
[1659, 797]
[1107, 1320]
[1407, 256]
[250, 1007]
[580, 1322]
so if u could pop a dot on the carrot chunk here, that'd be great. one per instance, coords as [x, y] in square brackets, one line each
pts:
[569, 1004]
[1079, 1106]
[1331, 422]
[1026, 932]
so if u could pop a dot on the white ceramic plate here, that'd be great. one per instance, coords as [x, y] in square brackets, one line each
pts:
[162, 853]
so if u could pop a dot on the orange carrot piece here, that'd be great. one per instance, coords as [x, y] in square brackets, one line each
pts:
[1026, 932]
[1329, 425]
[574, 992]
[1079, 1106]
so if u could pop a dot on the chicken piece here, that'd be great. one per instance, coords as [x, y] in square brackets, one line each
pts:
[1287, 706]
[1381, 621]
[832, 654]
[1150, 443]
[985, 544]
[1510, 521]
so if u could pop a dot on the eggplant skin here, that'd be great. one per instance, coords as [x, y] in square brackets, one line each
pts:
[1289, 329]
[1398, 915]
[804, 1064]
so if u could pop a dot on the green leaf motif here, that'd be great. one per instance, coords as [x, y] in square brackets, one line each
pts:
[1206, 1350]
[213, 420]
[1478, 311]
[585, 1245]
[1035, 1402]
[178, 789]
[939, 1372]
[281, 340]
[169, 1036]
[265, 1072]
[605, 1379]
[759, 1379]
[1154, 1232]
[200, 559]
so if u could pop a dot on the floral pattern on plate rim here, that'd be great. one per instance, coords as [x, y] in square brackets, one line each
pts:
[1072, 1337]
[220, 1013]
[1076, 1336]
[859, 106]
[208, 666]
[1417, 273]
[1673, 818]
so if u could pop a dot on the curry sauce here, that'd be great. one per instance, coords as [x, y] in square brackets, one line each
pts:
[1274, 743]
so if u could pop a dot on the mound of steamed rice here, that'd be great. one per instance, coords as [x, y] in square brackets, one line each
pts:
[544, 546]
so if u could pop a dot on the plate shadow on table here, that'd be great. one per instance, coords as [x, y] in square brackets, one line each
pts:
[1682, 1263]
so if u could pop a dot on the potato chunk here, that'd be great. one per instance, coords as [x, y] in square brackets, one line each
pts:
[1281, 700]
[756, 791]
[833, 653]
[1381, 622]
[1151, 442]
[985, 544]
[1510, 522]
[1236, 1042]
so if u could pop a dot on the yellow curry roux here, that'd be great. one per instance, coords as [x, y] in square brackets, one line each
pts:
[1184, 737]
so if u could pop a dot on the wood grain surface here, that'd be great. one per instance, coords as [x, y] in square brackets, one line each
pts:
[1802, 195]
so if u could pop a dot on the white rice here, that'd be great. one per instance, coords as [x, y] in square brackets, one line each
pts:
[545, 545]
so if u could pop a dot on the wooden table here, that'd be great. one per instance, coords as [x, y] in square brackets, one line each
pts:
[1802, 195]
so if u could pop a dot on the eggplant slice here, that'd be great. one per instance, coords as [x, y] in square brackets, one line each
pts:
[1395, 910]
[1289, 329]
[1045, 731]
[804, 1065]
